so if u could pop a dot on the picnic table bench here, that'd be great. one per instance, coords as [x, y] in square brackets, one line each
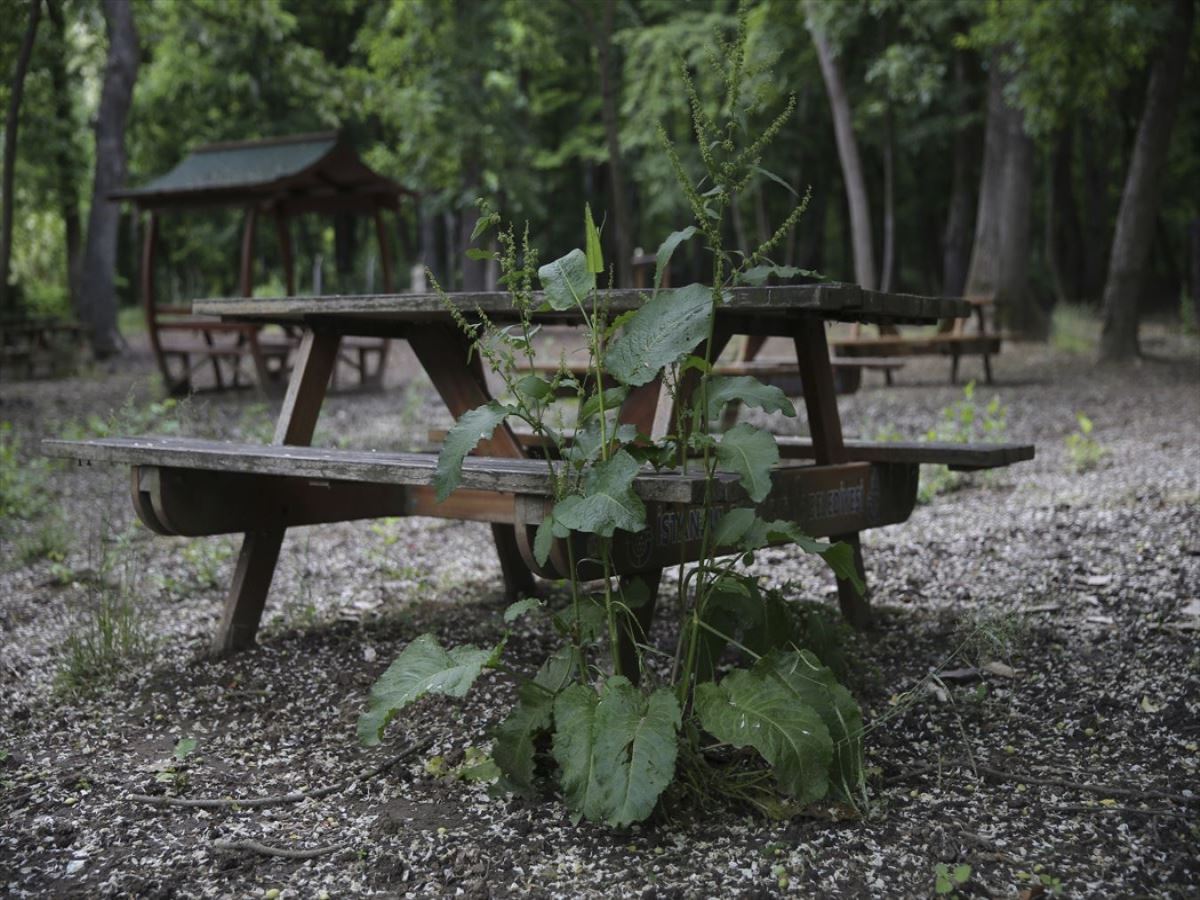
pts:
[40, 344]
[830, 487]
[951, 339]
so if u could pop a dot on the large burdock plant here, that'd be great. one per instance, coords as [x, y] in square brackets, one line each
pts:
[610, 730]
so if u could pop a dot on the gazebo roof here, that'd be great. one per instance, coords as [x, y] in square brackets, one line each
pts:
[299, 173]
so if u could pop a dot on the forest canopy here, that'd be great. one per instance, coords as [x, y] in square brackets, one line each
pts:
[950, 146]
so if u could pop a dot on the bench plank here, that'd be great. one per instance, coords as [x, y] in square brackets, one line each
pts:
[515, 476]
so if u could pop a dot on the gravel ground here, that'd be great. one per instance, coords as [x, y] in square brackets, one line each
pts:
[1070, 763]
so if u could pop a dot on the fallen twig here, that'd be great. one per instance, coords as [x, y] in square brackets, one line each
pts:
[946, 770]
[1083, 807]
[1106, 789]
[255, 847]
[279, 799]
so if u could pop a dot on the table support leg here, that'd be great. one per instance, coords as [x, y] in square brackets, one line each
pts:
[820, 401]
[443, 351]
[260, 550]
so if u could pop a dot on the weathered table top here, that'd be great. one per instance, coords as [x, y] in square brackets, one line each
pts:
[842, 302]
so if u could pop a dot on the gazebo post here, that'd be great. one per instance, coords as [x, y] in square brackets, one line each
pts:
[284, 234]
[149, 251]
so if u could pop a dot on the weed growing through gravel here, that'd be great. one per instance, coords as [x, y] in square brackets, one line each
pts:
[22, 481]
[1085, 451]
[112, 635]
[598, 721]
[961, 423]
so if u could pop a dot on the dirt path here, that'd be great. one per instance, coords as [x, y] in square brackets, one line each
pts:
[1084, 586]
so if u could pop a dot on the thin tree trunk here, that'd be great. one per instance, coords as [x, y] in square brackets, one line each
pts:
[1194, 269]
[1143, 189]
[852, 169]
[622, 221]
[887, 274]
[98, 296]
[985, 249]
[11, 122]
[68, 172]
[956, 239]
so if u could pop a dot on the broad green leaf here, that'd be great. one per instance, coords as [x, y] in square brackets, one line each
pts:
[543, 540]
[616, 751]
[520, 608]
[751, 453]
[634, 752]
[749, 390]
[670, 326]
[183, 748]
[757, 276]
[749, 710]
[594, 254]
[608, 501]
[534, 387]
[513, 749]
[839, 556]
[556, 670]
[725, 613]
[732, 526]
[472, 427]
[814, 685]
[613, 398]
[424, 667]
[773, 626]
[574, 740]
[567, 281]
[479, 253]
[666, 250]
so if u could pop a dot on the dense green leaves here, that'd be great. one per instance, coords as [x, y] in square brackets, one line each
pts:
[666, 329]
[608, 501]
[751, 453]
[746, 389]
[616, 750]
[424, 667]
[513, 750]
[815, 686]
[472, 427]
[749, 709]
[839, 556]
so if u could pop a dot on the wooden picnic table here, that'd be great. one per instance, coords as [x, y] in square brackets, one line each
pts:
[829, 486]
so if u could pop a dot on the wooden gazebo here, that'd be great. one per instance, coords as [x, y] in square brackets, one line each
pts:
[280, 178]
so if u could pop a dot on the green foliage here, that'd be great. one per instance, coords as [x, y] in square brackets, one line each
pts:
[613, 745]
[947, 880]
[111, 637]
[1085, 451]
[471, 428]
[424, 667]
[21, 494]
[961, 423]
[664, 330]
[752, 709]
[616, 749]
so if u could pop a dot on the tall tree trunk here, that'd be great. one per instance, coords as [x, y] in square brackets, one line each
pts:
[887, 274]
[11, 122]
[1143, 188]
[852, 169]
[999, 267]
[621, 225]
[68, 171]
[97, 295]
[956, 239]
